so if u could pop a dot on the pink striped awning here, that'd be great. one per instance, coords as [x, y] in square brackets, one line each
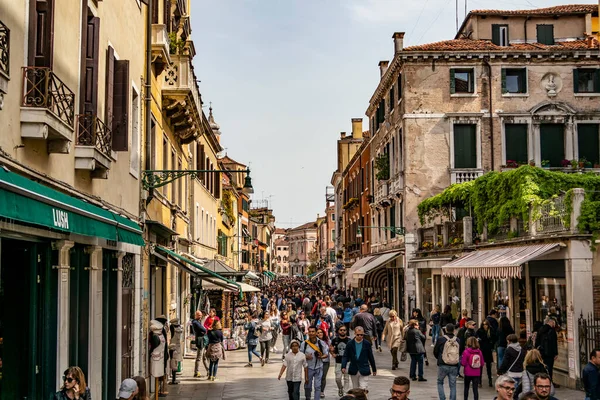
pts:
[500, 263]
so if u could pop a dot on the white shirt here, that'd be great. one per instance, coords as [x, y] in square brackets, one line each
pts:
[295, 364]
[332, 313]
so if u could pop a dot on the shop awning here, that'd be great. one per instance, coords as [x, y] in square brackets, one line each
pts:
[501, 263]
[270, 274]
[318, 274]
[252, 275]
[373, 265]
[26, 201]
[429, 263]
[216, 284]
[190, 270]
[355, 267]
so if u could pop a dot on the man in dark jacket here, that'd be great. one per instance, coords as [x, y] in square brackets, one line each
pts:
[359, 353]
[590, 378]
[451, 371]
[547, 343]
[367, 321]
[492, 318]
[464, 333]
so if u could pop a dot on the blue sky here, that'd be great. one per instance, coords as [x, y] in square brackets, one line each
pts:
[286, 76]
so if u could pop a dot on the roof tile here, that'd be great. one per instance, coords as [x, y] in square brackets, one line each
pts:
[564, 9]
[486, 45]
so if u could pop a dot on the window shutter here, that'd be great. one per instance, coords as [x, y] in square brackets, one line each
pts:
[399, 86]
[597, 81]
[588, 142]
[452, 82]
[504, 90]
[120, 123]
[90, 85]
[496, 34]
[516, 142]
[575, 80]
[110, 74]
[155, 12]
[41, 36]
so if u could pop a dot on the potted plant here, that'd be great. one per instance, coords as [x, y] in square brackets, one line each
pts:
[588, 164]
[511, 164]
[596, 165]
[574, 163]
[582, 161]
[545, 163]
[565, 163]
[532, 163]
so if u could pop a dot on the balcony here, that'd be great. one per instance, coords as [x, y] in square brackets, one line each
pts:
[160, 47]
[397, 184]
[381, 193]
[47, 109]
[4, 61]
[460, 175]
[93, 146]
[181, 99]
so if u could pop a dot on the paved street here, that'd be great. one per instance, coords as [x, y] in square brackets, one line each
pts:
[260, 383]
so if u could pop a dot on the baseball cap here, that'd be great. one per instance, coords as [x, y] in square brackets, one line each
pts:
[128, 388]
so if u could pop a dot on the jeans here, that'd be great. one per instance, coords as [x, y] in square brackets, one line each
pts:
[360, 381]
[414, 360]
[252, 350]
[338, 378]
[475, 380]
[501, 351]
[324, 377]
[212, 368]
[394, 352]
[293, 390]
[274, 334]
[199, 354]
[314, 379]
[286, 344]
[264, 350]
[451, 372]
[435, 333]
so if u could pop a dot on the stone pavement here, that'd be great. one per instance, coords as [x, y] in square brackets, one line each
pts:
[260, 383]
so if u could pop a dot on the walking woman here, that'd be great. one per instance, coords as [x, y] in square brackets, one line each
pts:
[215, 350]
[487, 339]
[286, 332]
[393, 335]
[142, 393]
[265, 338]
[414, 347]
[472, 360]
[504, 329]
[251, 327]
[275, 323]
[434, 321]
[512, 363]
[326, 361]
[380, 325]
[533, 365]
[74, 386]
[446, 317]
[418, 315]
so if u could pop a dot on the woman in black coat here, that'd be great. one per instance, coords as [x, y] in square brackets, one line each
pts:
[418, 315]
[487, 339]
[446, 318]
[414, 347]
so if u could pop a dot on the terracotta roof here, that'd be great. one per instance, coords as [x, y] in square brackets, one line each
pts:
[486, 45]
[308, 225]
[565, 9]
[280, 231]
[281, 242]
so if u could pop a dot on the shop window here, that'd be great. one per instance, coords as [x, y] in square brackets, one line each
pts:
[552, 143]
[462, 80]
[586, 80]
[465, 146]
[514, 80]
[515, 143]
[588, 142]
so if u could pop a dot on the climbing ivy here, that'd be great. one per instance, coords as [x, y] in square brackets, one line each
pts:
[497, 196]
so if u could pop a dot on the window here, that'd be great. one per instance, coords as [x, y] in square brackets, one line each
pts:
[500, 35]
[586, 80]
[588, 142]
[399, 86]
[333, 235]
[545, 34]
[515, 143]
[245, 206]
[165, 160]
[392, 98]
[392, 220]
[465, 146]
[552, 143]
[117, 100]
[245, 258]
[332, 217]
[135, 132]
[462, 80]
[514, 80]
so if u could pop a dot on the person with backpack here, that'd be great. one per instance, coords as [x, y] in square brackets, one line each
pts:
[534, 365]
[315, 351]
[472, 360]
[512, 363]
[446, 351]
[463, 335]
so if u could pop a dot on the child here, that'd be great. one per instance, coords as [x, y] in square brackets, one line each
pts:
[472, 360]
[295, 363]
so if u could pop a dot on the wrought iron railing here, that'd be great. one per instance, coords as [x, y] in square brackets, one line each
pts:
[91, 131]
[4, 49]
[43, 89]
[589, 338]
[552, 216]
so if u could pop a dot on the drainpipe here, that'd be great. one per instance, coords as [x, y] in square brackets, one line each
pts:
[148, 99]
[525, 27]
[486, 62]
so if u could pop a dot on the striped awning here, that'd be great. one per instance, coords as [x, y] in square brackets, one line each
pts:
[501, 263]
[318, 274]
[375, 264]
[357, 265]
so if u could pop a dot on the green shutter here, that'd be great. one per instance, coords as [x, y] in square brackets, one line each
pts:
[496, 34]
[516, 142]
[452, 83]
[588, 142]
[597, 81]
[545, 34]
[575, 80]
[552, 143]
[392, 220]
[465, 146]
[504, 81]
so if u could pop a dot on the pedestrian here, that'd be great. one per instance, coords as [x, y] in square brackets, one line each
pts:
[142, 393]
[504, 329]
[74, 386]
[359, 353]
[127, 391]
[590, 378]
[365, 320]
[337, 350]
[542, 386]
[215, 350]
[315, 350]
[493, 319]
[357, 394]
[446, 351]
[251, 328]
[212, 317]
[380, 324]
[199, 333]
[324, 321]
[535, 365]
[529, 396]
[393, 334]
[505, 388]
[275, 324]
[175, 348]
[157, 354]
[326, 360]
[464, 333]
[400, 388]
[295, 363]
[464, 318]
[447, 317]
[434, 323]
[487, 338]
[547, 343]
[472, 360]
[286, 333]
[265, 328]
[512, 363]
[416, 349]
[348, 315]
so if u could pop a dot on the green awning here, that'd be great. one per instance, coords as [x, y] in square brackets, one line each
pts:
[26, 201]
[270, 274]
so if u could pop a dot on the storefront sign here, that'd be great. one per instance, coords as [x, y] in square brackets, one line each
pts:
[60, 219]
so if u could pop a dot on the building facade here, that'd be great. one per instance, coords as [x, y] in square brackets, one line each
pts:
[302, 242]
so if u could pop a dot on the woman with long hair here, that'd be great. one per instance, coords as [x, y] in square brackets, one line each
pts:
[418, 315]
[142, 393]
[504, 329]
[215, 350]
[533, 365]
[286, 333]
[265, 328]
[446, 318]
[380, 325]
[326, 361]
[393, 335]
[74, 386]
[487, 339]
[275, 322]
[435, 319]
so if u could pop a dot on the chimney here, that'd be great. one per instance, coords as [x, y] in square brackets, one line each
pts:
[383, 65]
[356, 128]
[342, 135]
[398, 41]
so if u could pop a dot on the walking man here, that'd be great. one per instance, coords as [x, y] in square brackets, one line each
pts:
[547, 343]
[295, 363]
[338, 349]
[591, 380]
[359, 353]
[446, 351]
[365, 320]
[199, 332]
[315, 350]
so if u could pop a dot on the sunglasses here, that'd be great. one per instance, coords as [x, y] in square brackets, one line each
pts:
[68, 379]
[359, 334]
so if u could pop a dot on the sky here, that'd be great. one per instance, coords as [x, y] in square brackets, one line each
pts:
[285, 77]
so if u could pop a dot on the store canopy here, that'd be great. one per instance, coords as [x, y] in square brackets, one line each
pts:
[377, 262]
[252, 275]
[190, 270]
[318, 274]
[270, 274]
[501, 263]
[216, 284]
[221, 268]
[26, 201]
[357, 265]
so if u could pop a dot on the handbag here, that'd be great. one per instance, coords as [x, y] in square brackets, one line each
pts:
[402, 347]
[403, 357]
